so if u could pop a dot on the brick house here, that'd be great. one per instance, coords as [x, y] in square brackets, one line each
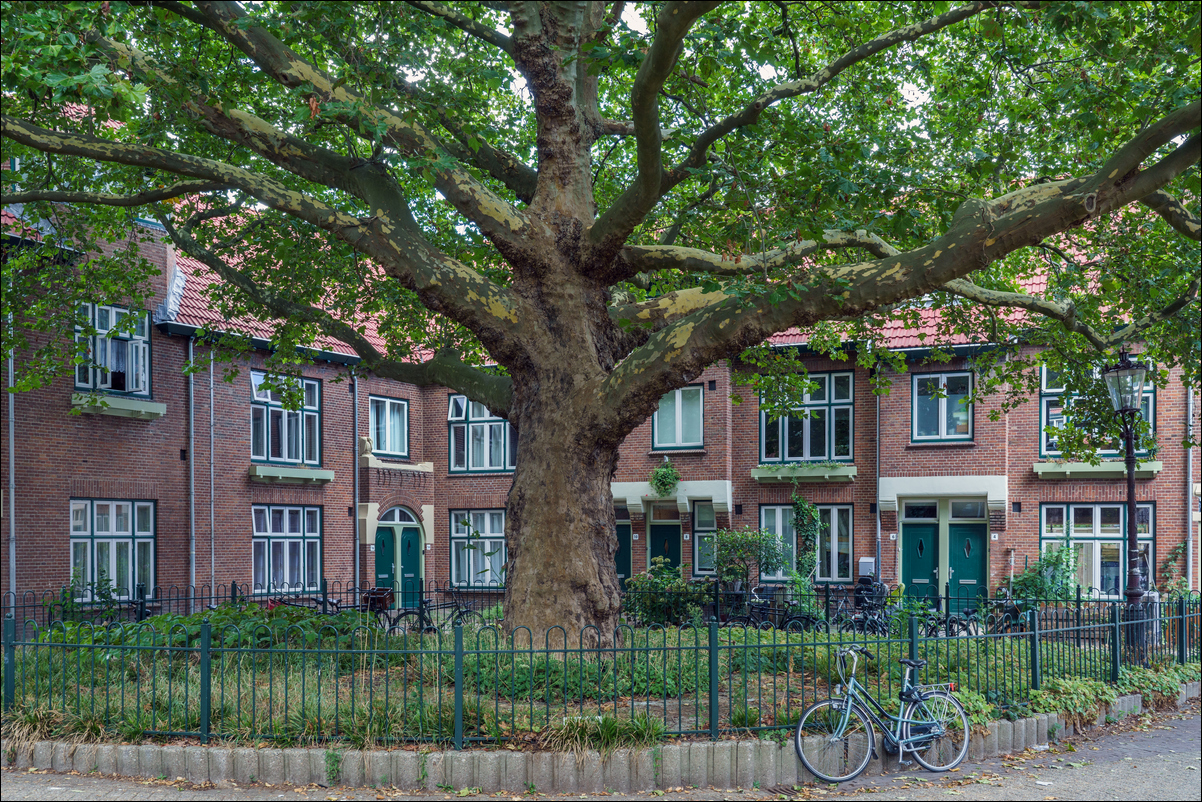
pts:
[183, 480]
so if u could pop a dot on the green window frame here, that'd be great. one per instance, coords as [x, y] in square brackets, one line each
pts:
[705, 524]
[114, 343]
[286, 548]
[113, 541]
[279, 435]
[1098, 532]
[823, 429]
[478, 549]
[389, 426]
[679, 421]
[939, 410]
[1054, 412]
[477, 440]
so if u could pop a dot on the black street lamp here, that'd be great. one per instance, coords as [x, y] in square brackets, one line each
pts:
[1125, 381]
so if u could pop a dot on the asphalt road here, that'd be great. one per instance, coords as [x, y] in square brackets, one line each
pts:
[1147, 757]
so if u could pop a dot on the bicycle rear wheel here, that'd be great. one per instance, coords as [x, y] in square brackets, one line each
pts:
[942, 715]
[412, 623]
[831, 750]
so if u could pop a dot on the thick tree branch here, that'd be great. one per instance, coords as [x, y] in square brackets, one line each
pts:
[750, 113]
[614, 226]
[445, 368]
[465, 24]
[107, 199]
[1174, 213]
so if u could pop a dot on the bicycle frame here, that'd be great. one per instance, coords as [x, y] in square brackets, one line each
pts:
[856, 693]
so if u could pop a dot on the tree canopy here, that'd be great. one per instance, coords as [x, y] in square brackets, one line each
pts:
[604, 199]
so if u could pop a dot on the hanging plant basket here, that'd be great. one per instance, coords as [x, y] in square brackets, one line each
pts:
[664, 479]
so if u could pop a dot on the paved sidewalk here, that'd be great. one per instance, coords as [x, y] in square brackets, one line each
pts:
[1152, 757]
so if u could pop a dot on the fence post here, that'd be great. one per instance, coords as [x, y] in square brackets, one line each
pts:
[717, 616]
[713, 655]
[458, 686]
[1036, 659]
[947, 608]
[206, 678]
[1181, 637]
[913, 637]
[324, 595]
[233, 592]
[826, 589]
[140, 594]
[1115, 635]
[1078, 616]
[10, 661]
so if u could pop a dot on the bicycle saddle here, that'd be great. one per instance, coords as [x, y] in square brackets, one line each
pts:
[912, 663]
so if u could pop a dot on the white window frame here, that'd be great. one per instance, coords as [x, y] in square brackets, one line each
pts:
[703, 532]
[375, 402]
[942, 434]
[99, 531]
[299, 446]
[478, 548]
[286, 548]
[678, 441]
[812, 402]
[96, 373]
[778, 519]
[1093, 541]
[477, 427]
[830, 572]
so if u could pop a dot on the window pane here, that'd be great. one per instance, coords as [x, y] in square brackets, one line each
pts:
[1086, 563]
[1051, 380]
[926, 407]
[705, 552]
[294, 522]
[103, 316]
[79, 564]
[1144, 550]
[103, 560]
[311, 523]
[817, 434]
[458, 447]
[379, 426]
[118, 364]
[1143, 520]
[121, 518]
[1053, 416]
[511, 436]
[83, 373]
[819, 391]
[312, 437]
[921, 510]
[456, 407]
[104, 520]
[121, 567]
[294, 435]
[260, 519]
[396, 428]
[824, 544]
[703, 515]
[259, 561]
[277, 564]
[771, 438]
[665, 421]
[311, 394]
[479, 523]
[496, 523]
[968, 509]
[496, 445]
[277, 521]
[258, 432]
[768, 520]
[1110, 521]
[311, 564]
[276, 450]
[795, 437]
[145, 566]
[1110, 568]
[957, 410]
[1053, 521]
[842, 387]
[842, 425]
[479, 411]
[479, 446]
[79, 517]
[143, 516]
[1082, 520]
[665, 512]
[843, 518]
[294, 563]
[690, 415]
[459, 561]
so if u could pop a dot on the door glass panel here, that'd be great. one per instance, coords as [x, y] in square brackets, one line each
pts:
[968, 509]
[921, 546]
[704, 515]
[824, 544]
[967, 547]
[705, 552]
[843, 516]
[921, 510]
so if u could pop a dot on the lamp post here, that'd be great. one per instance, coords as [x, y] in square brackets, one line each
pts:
[1125, 382]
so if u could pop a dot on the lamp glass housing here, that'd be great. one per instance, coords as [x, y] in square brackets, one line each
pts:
[1125, 382]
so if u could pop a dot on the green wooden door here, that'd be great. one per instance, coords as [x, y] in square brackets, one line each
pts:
[411, 567]
[385, 557]
[967, 564]
[664, 541]
[920, 559]
[622, 557]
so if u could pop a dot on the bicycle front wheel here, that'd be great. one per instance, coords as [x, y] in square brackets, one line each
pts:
[943, 717]
[833, 742]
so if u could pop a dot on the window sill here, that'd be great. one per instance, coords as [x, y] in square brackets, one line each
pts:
[467, 474]
[942, 444]
[805, 473]
[372, 461]
[119, 406]
[681, 452]
[281, 475]
[1107, 470]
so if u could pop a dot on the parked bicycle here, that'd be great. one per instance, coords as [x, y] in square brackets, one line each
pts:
[835, 738]
[426, 620]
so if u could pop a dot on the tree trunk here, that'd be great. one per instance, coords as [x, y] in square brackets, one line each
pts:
[560, 524]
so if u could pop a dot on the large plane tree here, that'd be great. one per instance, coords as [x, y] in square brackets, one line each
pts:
[565, 210]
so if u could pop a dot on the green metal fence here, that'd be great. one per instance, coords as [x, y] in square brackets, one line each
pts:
[365, 687]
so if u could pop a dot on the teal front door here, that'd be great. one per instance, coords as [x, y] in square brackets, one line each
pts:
[920, 560]
[967, 566]
[622, 557]
[411, 567]
[385, 557]
[664, 541]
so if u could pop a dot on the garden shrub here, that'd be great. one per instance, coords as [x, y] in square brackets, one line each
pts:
[1079, 699]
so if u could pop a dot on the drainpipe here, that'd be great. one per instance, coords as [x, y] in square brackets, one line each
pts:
[191, 485]
[355, 470]
[212, 516]
[1190, 504]
[12, 488]
[877, 488]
